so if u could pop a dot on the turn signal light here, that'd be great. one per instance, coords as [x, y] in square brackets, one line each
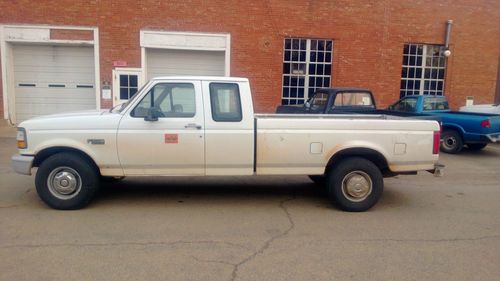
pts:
[21, 138]
[21, 144]
[485, 123]
[437, 141]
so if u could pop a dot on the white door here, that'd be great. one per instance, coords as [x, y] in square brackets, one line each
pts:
[174, 143]
[53, 79]
[164, 62]
[126, 82]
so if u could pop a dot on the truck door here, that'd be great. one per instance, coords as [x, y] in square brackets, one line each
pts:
[163, 133]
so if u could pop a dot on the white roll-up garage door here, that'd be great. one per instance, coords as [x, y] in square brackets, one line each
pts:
[164, 62]
[53, 79]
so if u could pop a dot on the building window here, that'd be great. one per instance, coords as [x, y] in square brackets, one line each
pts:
[128, 86]
[423, 70]
[307, 66]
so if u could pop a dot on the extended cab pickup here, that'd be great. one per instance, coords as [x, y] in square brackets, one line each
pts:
[201, 126]
[475, 130]
[345, 100]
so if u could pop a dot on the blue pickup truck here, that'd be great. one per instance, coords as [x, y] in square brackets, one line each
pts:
[476, 130]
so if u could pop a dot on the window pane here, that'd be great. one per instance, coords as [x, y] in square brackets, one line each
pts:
[169, 99]
[225, 102]
[287, 56]
[133, 81]
[123, 93]
[123, 80]
[328, 57]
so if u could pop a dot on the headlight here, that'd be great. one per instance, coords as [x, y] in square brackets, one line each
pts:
[22, 142]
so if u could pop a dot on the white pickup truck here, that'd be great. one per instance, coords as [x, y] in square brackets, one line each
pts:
[205, 126]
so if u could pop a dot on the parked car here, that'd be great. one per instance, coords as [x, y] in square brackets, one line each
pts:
[205, 126]
[481, 108]
[343, 100]
[476, 130]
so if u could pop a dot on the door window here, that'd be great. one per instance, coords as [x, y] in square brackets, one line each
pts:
[168, 100]
[406, 105]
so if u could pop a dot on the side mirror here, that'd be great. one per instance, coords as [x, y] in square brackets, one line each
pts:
[307, 105]
[153, 114]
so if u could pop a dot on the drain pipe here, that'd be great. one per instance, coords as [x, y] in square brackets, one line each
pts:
[447, 51]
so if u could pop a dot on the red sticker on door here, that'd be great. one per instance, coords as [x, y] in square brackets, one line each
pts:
[171, 138]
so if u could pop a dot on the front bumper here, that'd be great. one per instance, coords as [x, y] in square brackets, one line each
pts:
[22, 164]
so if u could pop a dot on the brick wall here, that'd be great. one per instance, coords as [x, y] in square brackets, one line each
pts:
[368, 37]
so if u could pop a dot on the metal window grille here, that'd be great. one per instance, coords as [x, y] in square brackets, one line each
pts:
[423, 70]
[307, 66]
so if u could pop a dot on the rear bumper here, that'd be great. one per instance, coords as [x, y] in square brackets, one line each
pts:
[494, 138]
[438, 170]
[22, 164]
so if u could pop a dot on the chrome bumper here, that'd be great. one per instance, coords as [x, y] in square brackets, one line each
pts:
[494, 138]
[22, 164]
[438, 170]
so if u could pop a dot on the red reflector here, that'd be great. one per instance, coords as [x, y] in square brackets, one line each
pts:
[485, 123]
[437, 140]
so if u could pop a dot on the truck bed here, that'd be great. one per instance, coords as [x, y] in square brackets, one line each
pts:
[309, 141]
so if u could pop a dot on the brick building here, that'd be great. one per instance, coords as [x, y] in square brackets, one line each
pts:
[72, 54]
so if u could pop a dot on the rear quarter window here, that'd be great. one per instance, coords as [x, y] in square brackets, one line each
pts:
[225, 102]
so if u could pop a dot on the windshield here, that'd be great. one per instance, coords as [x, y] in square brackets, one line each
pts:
[120, 107]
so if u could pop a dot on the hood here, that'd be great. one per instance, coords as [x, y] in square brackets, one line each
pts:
[71, 114]
[91, 119]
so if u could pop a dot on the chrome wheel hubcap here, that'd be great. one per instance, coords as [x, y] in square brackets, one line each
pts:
[357, 186]
[450, 142]
[64, 183]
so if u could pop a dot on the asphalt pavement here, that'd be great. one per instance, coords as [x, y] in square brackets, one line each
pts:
[257, 228]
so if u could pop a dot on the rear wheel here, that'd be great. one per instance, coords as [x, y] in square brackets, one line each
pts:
[451, 142]
[476, 146]
[355, 184]
[66, 181]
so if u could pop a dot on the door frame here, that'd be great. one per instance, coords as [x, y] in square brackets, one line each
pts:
[116, 80]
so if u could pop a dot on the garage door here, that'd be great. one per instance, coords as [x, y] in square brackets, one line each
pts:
[53, 79]
[163, 62]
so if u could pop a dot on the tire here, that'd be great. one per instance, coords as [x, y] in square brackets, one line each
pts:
[476, 146]
[66, 181]
[365, 188]
[318, 179]
[451, 142]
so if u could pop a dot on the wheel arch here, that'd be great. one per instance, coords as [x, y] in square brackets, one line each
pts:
[453, 127]
[47, 152]
[370, 154]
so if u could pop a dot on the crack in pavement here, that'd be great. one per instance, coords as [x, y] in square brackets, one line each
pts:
[263, 248]
[268, 243]
[118, 244]
[10, 206]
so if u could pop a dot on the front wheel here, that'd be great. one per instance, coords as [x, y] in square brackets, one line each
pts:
[451, 142]
[66, 181]
[355, 184]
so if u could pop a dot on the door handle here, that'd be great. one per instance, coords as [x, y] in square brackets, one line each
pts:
[193, 126]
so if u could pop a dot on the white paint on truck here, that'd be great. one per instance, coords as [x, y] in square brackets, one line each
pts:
[194, 143]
